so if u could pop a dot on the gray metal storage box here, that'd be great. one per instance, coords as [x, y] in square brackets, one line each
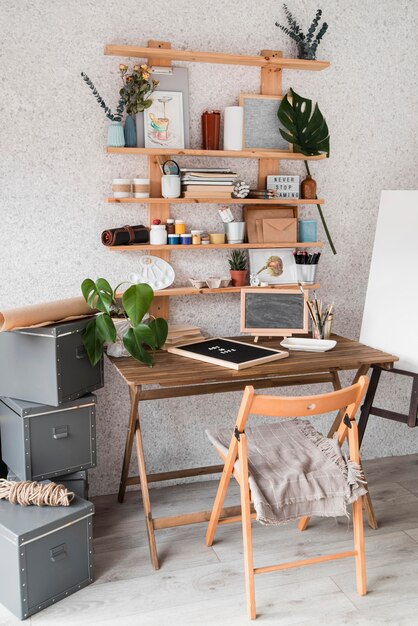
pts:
[76, 482]
[48, 365]
[41, 441]
[46, 554]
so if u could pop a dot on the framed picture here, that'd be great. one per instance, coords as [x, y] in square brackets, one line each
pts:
[261, 124]
[175, 79]
[163, 121]
[276, 266]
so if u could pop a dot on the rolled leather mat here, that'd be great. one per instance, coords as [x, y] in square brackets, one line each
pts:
[125, 235]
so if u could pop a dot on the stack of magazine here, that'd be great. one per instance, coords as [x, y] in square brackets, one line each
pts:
[209, 182]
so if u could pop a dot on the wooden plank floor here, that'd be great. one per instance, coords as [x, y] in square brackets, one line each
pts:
[204, 586]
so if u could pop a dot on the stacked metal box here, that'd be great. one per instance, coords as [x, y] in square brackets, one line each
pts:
[47, 427]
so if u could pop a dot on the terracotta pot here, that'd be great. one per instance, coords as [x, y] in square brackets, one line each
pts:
[239, 277]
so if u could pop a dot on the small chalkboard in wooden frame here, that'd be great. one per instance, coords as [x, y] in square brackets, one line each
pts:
[236, 355]
[274, 312]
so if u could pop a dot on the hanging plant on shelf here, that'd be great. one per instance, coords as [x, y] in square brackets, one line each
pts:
[137, 334]
[307, 44]
[308, 132]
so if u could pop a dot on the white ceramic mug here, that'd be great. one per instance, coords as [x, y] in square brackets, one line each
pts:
[170, 186]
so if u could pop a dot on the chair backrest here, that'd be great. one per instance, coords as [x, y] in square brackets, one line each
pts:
[285, 406]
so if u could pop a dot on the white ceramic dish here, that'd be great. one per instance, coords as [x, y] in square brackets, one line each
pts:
[154, 271]
[308, 345]
[197, 283]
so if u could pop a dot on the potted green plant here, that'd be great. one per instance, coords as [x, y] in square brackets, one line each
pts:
[115, 135]
[136, 334]
[136, 91]
[238, 268]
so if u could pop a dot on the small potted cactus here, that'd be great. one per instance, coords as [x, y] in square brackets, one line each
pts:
[238, 268]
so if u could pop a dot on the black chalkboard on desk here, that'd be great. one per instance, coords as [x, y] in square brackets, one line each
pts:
[274, 312]
[228, 353]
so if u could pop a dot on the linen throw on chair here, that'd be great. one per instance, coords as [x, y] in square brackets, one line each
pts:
[294, 471]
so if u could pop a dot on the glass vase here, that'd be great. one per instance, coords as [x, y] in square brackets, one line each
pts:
[115, 135]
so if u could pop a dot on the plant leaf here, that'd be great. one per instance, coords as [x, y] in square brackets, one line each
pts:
[105, 327]
[133, 342]
[93, 341]
[307, 131]
[159, 328]
[136, 301]
[98, 295]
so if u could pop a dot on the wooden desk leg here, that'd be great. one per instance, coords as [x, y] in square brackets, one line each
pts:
[336, 383]
[145, 496]
[133, 415]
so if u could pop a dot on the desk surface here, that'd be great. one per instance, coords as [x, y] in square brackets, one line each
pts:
[174, 370]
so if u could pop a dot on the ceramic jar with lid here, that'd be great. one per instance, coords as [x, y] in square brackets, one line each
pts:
[158, 235]
[179, 227]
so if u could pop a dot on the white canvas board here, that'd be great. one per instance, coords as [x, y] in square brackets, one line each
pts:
[390, 318]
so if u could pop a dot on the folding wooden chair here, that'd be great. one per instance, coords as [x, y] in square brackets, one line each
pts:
[275, 406]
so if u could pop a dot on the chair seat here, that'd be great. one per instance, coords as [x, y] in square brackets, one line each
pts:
[294, 471]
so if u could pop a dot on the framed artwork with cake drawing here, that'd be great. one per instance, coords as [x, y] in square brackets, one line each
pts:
[163, 121]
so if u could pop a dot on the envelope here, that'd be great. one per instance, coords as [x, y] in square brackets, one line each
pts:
[253, 213]
[279, 230]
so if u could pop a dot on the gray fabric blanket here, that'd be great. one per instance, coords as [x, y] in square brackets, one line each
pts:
[295, 471]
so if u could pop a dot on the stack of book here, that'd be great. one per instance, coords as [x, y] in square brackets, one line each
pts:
[211, 182]
[182, 334]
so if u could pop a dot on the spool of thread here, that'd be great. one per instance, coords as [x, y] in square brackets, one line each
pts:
[233, 120]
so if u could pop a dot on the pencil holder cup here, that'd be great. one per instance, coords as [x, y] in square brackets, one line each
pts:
[141, 187]
[170, 186]
[122, 187]
[306, 273]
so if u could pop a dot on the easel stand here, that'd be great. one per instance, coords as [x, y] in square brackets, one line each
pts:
[411, 419]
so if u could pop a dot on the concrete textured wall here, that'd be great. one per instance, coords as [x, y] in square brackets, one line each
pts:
[55, 173]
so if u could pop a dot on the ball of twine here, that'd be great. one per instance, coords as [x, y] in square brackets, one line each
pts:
[29, 492]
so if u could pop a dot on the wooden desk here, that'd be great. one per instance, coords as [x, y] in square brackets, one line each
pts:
[179, 376]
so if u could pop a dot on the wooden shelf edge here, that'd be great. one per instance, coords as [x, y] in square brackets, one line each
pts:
[214, 246]
[237, 154]
[191, 291]
[275, 201]
[169, 54]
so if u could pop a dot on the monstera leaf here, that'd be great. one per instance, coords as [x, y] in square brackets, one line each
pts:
[307, 131]
[98, 295]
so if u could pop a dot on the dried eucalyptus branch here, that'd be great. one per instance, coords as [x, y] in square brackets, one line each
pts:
[307, 44]
[115, 117]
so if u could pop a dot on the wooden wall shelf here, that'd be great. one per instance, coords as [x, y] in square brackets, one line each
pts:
[278, 201]
[168, 54]
[236, 154]
[190, 291]
[215, 246]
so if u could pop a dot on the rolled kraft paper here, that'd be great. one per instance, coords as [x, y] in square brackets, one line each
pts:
[233, 123]
[43, 314]
[125, 235]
